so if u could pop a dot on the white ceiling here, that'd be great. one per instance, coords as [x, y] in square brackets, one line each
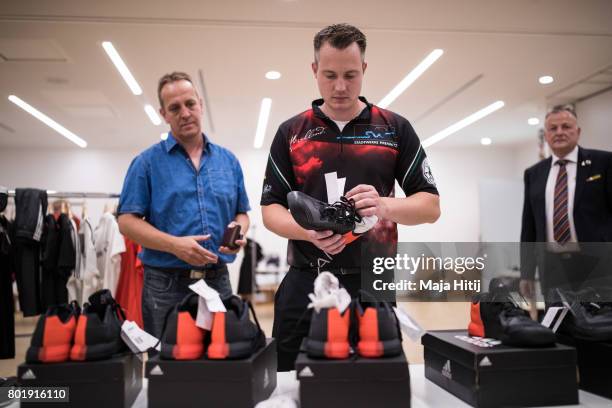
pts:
[493, 50]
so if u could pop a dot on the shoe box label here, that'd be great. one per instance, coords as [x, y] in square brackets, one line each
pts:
[480, 341]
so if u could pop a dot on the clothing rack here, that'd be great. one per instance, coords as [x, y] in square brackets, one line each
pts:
[58, 194]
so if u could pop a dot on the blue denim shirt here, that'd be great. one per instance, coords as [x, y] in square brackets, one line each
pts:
[163, 186]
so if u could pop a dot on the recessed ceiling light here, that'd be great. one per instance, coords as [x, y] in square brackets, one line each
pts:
[486, 141]
[164, 136]
[262, 123]
[410, 78]
[121, 67]
[273, 75]
[48, 121]
[533, 121]
[468, 120]
[546, 79]
[150, 111]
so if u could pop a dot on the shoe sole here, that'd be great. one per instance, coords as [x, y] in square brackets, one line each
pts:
[92, 352]
[325, 349]
[377, 349]
[48, 354]
[229, 351]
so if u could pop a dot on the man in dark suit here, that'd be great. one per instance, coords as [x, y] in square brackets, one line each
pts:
[568, 201]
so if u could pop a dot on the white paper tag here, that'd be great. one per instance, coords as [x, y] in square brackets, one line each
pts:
[213, 300]
[343, 300]
[331, 184]
[554, 316]
[408, 325]
[137, 339]
[209, 302]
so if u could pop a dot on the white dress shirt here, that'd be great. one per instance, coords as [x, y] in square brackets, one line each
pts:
[571, 168]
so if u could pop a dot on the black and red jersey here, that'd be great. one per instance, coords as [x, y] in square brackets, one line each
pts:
[376, 148]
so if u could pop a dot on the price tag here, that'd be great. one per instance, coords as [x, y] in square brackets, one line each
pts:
[137, 339]
[208, 303]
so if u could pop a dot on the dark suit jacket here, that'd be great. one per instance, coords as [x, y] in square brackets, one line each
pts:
[592, 204]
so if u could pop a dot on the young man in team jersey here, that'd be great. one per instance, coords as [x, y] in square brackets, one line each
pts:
[342, 146]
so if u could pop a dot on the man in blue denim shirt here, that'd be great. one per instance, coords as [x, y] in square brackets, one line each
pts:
[177, 199]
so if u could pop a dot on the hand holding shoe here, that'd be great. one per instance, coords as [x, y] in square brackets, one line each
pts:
[326, 241]
[367, 200]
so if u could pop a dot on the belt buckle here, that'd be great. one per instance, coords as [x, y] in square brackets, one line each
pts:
[196, 274]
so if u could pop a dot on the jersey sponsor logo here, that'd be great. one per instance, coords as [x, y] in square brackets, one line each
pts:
[427, 172]
[310, 133]
[376, 135]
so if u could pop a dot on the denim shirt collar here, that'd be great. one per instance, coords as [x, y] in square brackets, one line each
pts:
[170, 143]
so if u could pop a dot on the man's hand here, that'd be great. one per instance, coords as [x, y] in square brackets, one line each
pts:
[367, 200]
[327, 241]
[189, 250]
[240, 242]
[527, 289]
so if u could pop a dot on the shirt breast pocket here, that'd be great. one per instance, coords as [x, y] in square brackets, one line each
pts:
[223, 184]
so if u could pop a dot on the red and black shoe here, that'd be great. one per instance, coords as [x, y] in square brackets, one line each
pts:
[53, 334]
[181, 338]
[496, 315]
[377, 328]
[233, 334]
[98, 331]
[328, 336]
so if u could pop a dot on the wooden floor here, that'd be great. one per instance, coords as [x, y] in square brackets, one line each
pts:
[430, 315]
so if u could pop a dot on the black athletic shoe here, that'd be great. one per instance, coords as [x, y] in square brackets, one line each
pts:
[98, 330]
[233, 334]
[54, 333]
[181, 338]
[378, 330]
[328, 336]
[312, 214]
[588, 317]
[496, 315]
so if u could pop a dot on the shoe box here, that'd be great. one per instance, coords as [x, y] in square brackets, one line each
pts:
[115, 382]
[594, 358]
[354, 382]
[212, 383]
[486, 374]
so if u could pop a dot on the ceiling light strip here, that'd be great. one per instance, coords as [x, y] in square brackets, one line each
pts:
[474, 117]
[122, 68]
[48, 121]
[410, 78]
[153, 117]
[262, 123]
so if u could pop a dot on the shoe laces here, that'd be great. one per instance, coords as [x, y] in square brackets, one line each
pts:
[342, 212]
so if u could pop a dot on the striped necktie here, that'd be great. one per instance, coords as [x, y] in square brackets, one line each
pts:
[561, 226]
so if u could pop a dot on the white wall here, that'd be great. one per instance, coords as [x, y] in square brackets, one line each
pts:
[595, 119]
[458, 173]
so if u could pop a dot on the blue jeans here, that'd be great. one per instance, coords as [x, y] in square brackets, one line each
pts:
[162, 290]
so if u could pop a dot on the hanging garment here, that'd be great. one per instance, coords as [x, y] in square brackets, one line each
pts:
[67, 253]
[129, 288]
[53, 283]
[31, 204]
[252, 252]
[109, 245]
[31, 207]
[89, 263]
[75, 282]
[7, 312]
